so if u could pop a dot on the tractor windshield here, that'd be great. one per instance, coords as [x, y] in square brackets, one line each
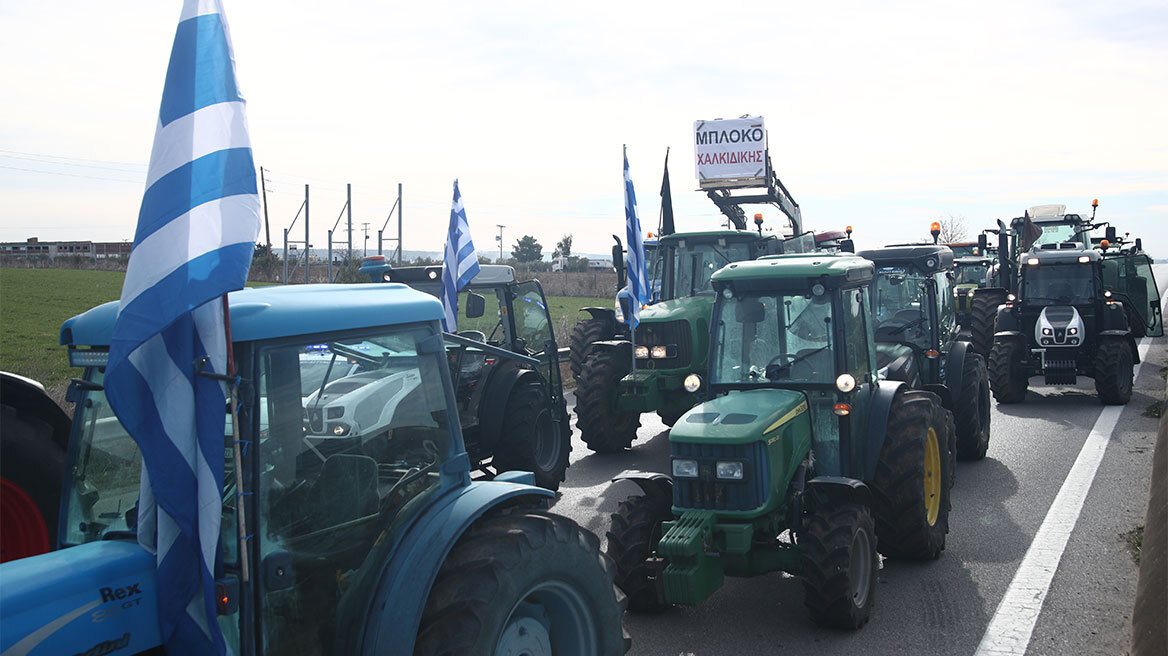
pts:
[694, 262]
[971, 274]
[901, 306]
[763, 338]
[340, 466]
[1064, 284]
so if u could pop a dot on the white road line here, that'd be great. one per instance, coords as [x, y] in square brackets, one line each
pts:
[1013, 622]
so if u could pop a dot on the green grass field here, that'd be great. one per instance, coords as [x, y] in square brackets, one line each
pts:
[35, 302]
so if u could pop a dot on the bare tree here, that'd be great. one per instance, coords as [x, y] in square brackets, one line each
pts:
[953, 229]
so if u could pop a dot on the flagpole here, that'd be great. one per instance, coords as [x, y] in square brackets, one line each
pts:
[632, 312]
[236, 451]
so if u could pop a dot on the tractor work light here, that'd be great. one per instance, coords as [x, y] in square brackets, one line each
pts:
[1083, 259]
[683, 468]
[969, 294]
[842, 409]
[845, 383]
[1033, 261]
[641, 352]
[728, 470]
[1107, 294]
[88, 358]
[1011, 298]
[692, 383]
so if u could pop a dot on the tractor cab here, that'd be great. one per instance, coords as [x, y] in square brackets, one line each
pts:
[1048, 224]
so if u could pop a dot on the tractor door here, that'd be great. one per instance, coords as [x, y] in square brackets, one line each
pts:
[533, 324]
[859, 355]
[1145, 296]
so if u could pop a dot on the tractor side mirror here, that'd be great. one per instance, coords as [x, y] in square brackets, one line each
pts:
[983, 243]
[79, 385]
[774, 247]
[1110, 234]
[749, 310]
[277, 568]
[847, 246]
[476, 305]
[1139, 244]
[618, 262]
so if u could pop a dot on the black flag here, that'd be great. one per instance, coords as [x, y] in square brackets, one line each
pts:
[1030, 233]
[667, 227]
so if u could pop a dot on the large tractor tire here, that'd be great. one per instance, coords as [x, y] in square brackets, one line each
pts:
[983, 318]
[971, 412]
[839, 565]
[32, 469]
[1114, 371]
[528, 582]
[913, 478]
[1008, 379]
[603, 427]
[531, 441]
[584, 333]
[634, 530]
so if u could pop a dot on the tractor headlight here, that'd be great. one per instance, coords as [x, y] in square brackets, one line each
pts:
[1047, 331]
[340, 430]
[659, 352]
[845, 383]
[692, 383]
[728, 470]
[685, 468]
[969, 294]
[641, 352]
[1073, 331]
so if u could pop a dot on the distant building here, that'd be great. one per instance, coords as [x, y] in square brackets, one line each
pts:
[599, 263]
[34, 247]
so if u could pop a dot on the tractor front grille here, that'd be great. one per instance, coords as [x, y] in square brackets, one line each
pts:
[665, 333]
[710, 493]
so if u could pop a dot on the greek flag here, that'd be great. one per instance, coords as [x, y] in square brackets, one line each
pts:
[196, 233]
[460, 264]
[635, 257]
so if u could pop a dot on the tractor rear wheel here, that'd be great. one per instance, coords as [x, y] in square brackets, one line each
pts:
[983, 317]
[1008, 379]
[603, 427]
[32, 467]
[913, 478]
[839, 565]
[632, 534]
[1114, 371]
[527, 582]
[971, 413]
[584, 333]
[531, 441]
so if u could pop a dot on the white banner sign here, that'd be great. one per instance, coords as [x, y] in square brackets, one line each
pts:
[730, 149]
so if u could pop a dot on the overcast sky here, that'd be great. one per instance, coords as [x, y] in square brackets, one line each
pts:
[880, 115]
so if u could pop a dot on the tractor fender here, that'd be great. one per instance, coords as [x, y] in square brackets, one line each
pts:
[1131, 341]
[879, 407]
[839, 489]
[612, 345]
[943, 392]
[1007, 320]
[954, 371]
[497, 391]
[395, 611]
[29, 399]
[651, 484]
[606, 314]
[1010, 333]
[1113, 317]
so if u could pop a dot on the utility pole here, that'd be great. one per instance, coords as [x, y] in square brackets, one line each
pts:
[307, 246]
[267, 230]
[349, 208]
[365, 252]
[499, 238]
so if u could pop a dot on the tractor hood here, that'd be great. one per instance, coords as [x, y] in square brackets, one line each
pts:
[689, 308]
[739, 417]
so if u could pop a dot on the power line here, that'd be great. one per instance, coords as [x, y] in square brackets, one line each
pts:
[71, 175]
[42, 160]
[79, 159]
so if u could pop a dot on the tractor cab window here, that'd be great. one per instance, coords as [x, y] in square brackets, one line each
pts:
[1051, 233]
[971, 274]
[487, 327]
[900, 309]
[945, 309]
[694, 263]
[532, 320]
[340, 465]
[1058, 284]
[774, 338]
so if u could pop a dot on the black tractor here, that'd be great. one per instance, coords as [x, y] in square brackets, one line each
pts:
[1067, 321]
[506, 370]
[917, 340]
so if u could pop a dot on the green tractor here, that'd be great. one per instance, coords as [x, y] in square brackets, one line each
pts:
[970, 273]
[917, 339]
[801, 459]
[1073, 316]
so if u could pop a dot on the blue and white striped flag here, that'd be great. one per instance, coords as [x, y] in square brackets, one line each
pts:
[460, 264]
[196, 233]
[635, 257]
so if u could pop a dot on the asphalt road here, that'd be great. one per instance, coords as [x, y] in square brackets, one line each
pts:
[944, 606]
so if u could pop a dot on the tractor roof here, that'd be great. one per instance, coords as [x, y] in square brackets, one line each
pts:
[973, 260]
[488, 275]
[1065, 253]
[802, 269]
[928, 258]
[709, 235]
[285, 311]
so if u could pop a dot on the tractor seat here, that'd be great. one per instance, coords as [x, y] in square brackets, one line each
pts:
[346, 489]
[818, 365]
[897, 362]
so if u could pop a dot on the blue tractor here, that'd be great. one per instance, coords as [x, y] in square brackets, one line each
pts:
[365, 533]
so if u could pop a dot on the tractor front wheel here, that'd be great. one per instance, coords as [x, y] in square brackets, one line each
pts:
[1008, 379]
[584, 333]
[528, 582]
[972, 411]
[603, 427]
[839, 565]
[913, 478]
[531, 441]
[632, 535]
[1114, 371]
[983, 318]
